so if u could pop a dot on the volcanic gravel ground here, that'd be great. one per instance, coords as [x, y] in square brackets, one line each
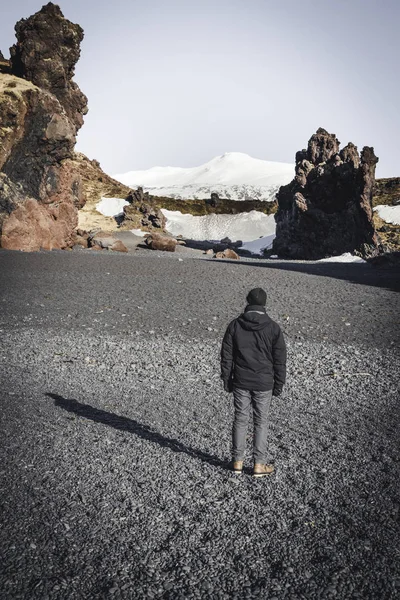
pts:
[115, 432]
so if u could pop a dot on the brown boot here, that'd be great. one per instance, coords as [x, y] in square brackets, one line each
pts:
[237, 466]
[261, 470]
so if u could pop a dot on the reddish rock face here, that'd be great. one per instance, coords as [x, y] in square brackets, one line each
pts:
[327, 209]
[33, 227]
[41, 110]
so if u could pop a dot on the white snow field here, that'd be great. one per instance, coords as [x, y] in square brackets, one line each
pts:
[243, 226]
[390, 214]
[232, 175]
[254, 228]
[111, 207]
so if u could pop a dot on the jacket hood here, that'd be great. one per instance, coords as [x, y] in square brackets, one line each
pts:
[254, 318]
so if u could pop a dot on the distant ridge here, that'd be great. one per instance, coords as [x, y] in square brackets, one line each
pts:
[232, 175]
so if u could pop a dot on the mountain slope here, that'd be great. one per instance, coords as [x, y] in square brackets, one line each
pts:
[233, 175]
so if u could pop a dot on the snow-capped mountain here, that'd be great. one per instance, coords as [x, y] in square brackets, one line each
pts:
[233, 175]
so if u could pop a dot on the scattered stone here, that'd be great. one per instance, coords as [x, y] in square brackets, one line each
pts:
[156, 241]
[118, 246]
[228, 253]
[226, 240]
[104, 241]
[81, 241]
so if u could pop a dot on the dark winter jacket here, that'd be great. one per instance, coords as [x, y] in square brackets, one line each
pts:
[253, 353]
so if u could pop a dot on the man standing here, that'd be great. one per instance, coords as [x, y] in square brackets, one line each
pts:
[253, 367]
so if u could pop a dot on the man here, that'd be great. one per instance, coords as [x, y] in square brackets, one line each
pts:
[253, 366]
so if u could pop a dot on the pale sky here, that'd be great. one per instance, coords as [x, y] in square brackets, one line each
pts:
[177, 82]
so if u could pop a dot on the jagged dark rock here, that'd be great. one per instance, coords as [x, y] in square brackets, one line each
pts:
[327, 209]
[213, 201]
[46, 53]
[141, 211]
[138, 196]
[5, 66]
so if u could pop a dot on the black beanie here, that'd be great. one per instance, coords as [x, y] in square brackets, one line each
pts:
[257, 296]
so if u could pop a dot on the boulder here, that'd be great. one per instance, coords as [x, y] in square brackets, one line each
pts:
[327, 209]
[104, 241]
[118, 246]
[80, 240]
[33, 226]
[228, 253]
[156, 241]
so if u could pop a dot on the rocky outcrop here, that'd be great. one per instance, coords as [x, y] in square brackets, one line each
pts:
[327, 209]
[141, 212]
[387, 191]
[5, 66]
[96, 183]
[213, 201]
[46, 52]
[40, 112]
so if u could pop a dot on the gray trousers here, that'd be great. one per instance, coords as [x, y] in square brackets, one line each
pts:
[260, 402]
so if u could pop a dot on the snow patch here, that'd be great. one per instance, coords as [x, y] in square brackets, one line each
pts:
[343, 258]
[390, 214]
[139, 232]
[111, 207]
[258, 246]
[243, 226]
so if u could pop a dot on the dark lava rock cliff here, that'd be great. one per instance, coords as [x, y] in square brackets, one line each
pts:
[46, 52]
[41, 110]
[327, 209]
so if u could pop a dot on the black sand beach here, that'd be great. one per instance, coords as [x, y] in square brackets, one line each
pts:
[115, 431]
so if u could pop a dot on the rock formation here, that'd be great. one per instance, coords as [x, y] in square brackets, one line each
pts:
[214, 201]
[46, 52]
[327, 209]
[41, 110]
[141, 212]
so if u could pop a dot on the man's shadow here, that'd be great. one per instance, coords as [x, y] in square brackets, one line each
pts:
[131, 426]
